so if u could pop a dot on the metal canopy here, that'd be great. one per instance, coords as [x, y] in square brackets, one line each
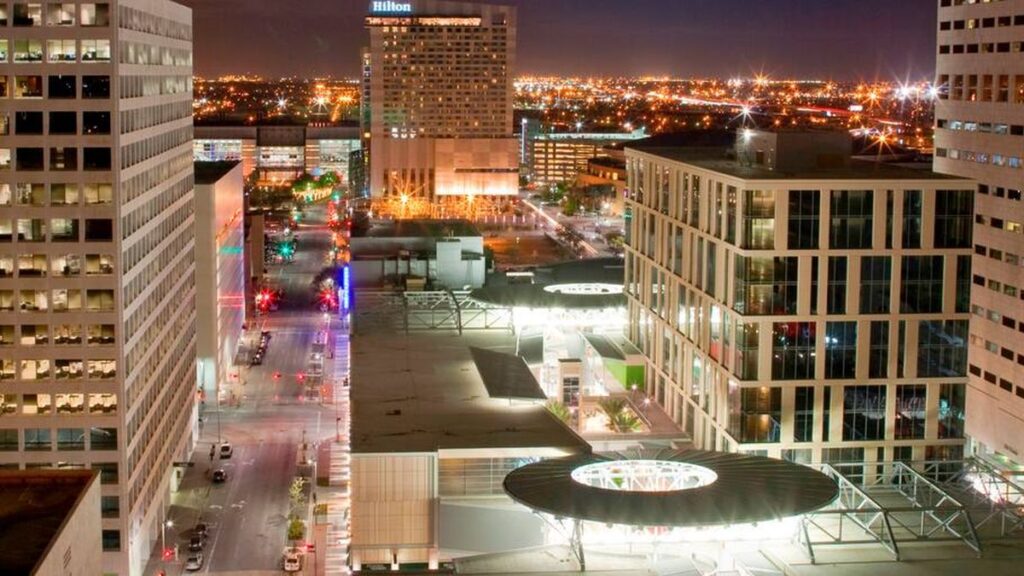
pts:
[604, 347]
[506, 375]
[747, 489]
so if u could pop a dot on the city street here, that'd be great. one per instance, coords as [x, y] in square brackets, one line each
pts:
[248, 514]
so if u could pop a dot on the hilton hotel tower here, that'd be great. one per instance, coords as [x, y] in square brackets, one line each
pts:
[438, 92]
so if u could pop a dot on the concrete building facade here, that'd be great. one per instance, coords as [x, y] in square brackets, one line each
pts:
[979, 134]
[97, 293]
[806, 307]
[220, 275]
[280, 154]
[439, 89]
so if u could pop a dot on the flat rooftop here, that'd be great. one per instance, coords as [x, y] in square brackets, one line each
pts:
[421, 229]
[211, 172]
[717, 159]
[421, 392]
[34, 505]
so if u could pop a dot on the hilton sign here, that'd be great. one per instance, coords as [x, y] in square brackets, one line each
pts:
[390, 7]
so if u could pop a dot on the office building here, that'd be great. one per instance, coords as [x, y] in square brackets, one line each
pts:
[979, 134]
[441, 254]
[220, 276]
[795, 303]
[278, 154]
[50, 522]
[439, 87]
[558, 157]
[97, 276]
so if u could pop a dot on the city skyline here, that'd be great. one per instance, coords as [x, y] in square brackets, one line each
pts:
[843, 39]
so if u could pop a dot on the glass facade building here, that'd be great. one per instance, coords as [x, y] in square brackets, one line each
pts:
[813, 314]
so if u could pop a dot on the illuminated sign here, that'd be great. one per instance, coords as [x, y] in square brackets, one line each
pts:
[390, 7]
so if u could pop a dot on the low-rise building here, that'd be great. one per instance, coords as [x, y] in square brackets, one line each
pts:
[440, 254]
[220, 272]
[50, 523]
[278, 154]
[559, 157]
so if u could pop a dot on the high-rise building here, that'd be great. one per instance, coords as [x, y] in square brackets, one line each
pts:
[794, 303]
[559, 157]
[97, 279]
[439, 94]
[980, 134]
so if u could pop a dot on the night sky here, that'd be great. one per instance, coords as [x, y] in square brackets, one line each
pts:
[838, 39]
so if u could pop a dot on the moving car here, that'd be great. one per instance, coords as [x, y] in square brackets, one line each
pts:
[219, 476]
[226, 450]
[194, 562]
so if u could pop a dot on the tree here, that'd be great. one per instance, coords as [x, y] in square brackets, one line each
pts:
[570, 236]
[296, 529]
[571, 206]
[297, 493]
[616, 241]
[621, 419]
[328, 180]
[560, 410]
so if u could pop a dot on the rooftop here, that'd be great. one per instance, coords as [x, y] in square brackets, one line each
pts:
[211, 172]
[34, 506]
[421, 392]
[422, 229]
[714, 151]
[576, 284]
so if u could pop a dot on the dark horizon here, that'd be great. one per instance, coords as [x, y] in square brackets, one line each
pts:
[845, 40]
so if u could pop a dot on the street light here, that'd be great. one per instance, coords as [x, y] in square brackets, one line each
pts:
[163, 536]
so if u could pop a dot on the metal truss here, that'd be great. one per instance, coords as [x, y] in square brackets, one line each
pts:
[966, 502]
[434, 310]
[572, 530]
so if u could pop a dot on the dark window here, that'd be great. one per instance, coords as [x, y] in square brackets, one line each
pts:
[8, 440]
[850, 227]
[953, 210]
[804, 219]
[103, 438]
[837, 284]
[61, 86]
[963, 284]
[875, 284]
[921, 289]
[96, 158]
[28, 123]
[109, 507]
[111, 540]
[99, 230]
[29, 159]
[95, 86]
[878, 353]
[840, 350]
[814, 285]
[108, 472]
[863, 413]
[95, 122]
[747, 346]
[803, 414]
[910, 411]
[951, 410]
[766, 286]
[63, 123]
[942, 349]
[911, 218]
[889, 214]
[826, 412]
[793, 350]
[761, 415]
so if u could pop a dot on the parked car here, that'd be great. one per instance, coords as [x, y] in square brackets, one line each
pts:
[201, 530]
[195, 544]
[219, 476]
[292, 560]
[194, 562]
[226, 450]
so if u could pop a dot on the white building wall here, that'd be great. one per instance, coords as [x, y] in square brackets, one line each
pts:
[980, 135]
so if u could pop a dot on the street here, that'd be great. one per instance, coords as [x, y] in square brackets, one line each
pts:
[266, 423]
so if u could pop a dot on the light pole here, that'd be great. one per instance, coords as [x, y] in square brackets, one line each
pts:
[163, 537]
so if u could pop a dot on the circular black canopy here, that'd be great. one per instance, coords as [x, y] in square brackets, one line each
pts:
[748, 489]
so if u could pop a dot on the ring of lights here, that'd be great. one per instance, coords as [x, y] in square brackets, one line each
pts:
[670, 488]
[643, 475]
